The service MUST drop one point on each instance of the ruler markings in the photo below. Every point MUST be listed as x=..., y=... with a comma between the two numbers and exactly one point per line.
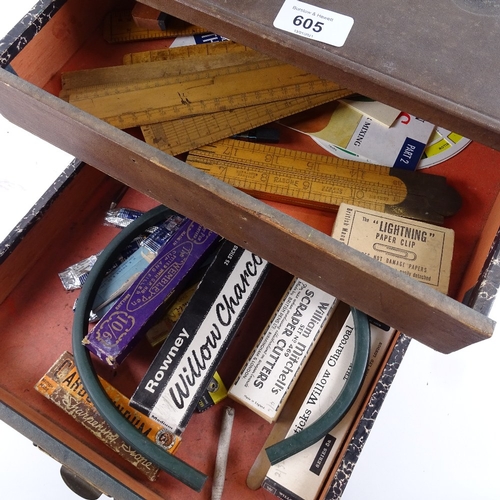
x=194, y=95
x=121, y=27
x=102, y=82
x=171, y=61
x=142, y=108
x=189, y=53
x=178, y=136
x=321, y=181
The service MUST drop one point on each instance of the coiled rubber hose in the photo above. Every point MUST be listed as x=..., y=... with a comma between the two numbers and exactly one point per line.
x=169, y=463
x=320, y=428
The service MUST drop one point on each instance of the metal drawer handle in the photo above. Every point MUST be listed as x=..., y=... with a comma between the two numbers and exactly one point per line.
x=78, y=485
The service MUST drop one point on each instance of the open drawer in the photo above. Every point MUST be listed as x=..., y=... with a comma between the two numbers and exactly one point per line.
x=71, y=40
x=295, y=240
x=70, y=228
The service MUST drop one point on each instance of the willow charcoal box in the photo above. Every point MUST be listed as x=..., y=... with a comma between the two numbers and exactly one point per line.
x=186, y=362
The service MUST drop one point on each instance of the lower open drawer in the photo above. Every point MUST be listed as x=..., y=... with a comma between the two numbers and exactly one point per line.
x=37, y=318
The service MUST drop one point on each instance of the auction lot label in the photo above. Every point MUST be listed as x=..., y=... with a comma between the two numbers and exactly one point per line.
x=313, y=22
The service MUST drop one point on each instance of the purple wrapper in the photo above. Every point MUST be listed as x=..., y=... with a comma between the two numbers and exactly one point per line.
x=127, y=321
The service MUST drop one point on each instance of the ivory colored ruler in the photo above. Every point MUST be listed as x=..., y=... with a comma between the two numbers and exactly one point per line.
x=181, y=135
x=143, y=69
x=190, y=53
x=121, y=27
x=324, y=182
x=178, y=136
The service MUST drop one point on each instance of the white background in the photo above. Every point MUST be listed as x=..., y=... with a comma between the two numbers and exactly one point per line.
x=437, y=436
x=27, y=168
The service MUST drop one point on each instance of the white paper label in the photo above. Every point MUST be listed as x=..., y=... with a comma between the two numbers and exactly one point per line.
x=283, y=349
x=313, y=22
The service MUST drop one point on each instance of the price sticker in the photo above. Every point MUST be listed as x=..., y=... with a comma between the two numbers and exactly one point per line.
x=313, y=22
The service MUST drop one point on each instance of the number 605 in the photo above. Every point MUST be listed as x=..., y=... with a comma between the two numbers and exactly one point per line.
x=308, y=23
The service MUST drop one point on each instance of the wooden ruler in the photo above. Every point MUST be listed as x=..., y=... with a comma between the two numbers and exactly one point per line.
x=149, y=67
x=213, y=90
x=178, y=136
x=140, y=79
x=190, y=53
x=181, y=135
x=324, y=182
x=120, y=27
x=189, y=96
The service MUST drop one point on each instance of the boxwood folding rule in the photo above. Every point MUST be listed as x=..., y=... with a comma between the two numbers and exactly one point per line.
x=322, y=181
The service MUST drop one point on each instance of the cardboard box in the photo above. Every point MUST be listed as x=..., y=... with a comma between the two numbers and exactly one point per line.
x=187, y=360
x=159, y=332
x=60, y=221
x=420, y=250
x=271, y=370
x=122, y=326
x=302, y=476
x=121, y=278
x=61, y=385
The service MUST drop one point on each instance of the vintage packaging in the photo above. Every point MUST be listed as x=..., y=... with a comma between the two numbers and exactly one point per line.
x=420, y=250
x=159, y=332
x=121, y=216
x=122, y=277
x=343, y=128
x=74, y=276
x=132, y=315
x=302, y=476
x=62, y=385
x=283, y=348
x=214, y=393
x=187, y=360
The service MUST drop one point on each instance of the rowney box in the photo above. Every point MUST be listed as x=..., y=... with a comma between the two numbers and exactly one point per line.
x=122, y=326
x=187, y=360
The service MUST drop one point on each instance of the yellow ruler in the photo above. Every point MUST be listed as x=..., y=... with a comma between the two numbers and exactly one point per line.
x=188, y=96
x=178, y=136
x=181, y=135
x=190, y=53
x=209, y=91
x=150, y=67
x=324, y=182
x=121, y=82
x=120, y=27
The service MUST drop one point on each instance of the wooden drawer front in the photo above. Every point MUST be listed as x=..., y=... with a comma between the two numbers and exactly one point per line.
x=296, y=240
